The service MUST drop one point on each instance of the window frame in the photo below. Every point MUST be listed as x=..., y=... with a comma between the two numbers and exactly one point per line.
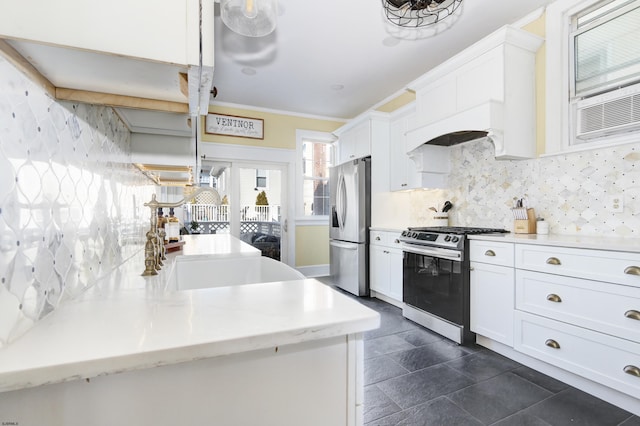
x=264, y=176
x=318, y=137
x=560, y=116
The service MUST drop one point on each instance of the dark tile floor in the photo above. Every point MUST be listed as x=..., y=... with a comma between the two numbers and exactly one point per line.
x=416, y=377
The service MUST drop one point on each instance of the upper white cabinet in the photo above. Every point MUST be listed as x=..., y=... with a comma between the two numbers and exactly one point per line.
x=402, y=170
x=97, y=51
x=489, y=87
x=356, y=138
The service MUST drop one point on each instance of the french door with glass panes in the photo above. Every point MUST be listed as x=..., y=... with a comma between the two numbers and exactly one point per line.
x=254, y=200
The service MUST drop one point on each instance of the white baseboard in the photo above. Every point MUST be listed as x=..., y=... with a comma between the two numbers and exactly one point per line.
x=313, y=271
x=385, y=298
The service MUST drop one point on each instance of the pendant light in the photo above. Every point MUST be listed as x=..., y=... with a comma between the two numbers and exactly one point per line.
x=418, y=13
x=251, y=18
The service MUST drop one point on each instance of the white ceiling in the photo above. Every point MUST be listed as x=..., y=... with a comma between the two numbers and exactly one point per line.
x=318, y=45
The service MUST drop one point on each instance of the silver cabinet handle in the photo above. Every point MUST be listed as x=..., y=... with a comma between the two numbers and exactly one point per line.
x=489, y=253
x=554, y=298
x=632, y=314
x=553, y=261
x=632, y=270
x=552, y=344
x=632, y=370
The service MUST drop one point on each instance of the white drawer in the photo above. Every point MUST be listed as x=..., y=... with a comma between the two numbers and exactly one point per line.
x=385, y=238
x=600, y=265
x=377, y=238
x=596, y=356
x=495, y=253
x=610, y=308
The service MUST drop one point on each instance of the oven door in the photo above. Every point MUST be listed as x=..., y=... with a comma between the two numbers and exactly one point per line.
x=433, y=281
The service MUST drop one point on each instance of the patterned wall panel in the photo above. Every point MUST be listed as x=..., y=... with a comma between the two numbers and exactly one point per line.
x=570, y=191
x=71, y=204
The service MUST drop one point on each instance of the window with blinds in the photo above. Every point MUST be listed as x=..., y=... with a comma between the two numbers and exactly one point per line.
x=606, y=47
x=605, y=74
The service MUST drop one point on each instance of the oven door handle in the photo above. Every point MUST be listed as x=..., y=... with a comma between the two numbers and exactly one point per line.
x=441, y=253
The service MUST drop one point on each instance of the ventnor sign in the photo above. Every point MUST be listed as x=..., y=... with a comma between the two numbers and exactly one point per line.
x=231, y=125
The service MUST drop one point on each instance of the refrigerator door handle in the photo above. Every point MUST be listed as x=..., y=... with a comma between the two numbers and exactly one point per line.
x=341, y=201
x=344, y=245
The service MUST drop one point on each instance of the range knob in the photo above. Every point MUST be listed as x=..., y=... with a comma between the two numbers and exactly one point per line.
x=447, y=238
x=455, y=239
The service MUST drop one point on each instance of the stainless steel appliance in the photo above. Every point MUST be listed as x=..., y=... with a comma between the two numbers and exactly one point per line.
x=435, y=279
x=350, y=200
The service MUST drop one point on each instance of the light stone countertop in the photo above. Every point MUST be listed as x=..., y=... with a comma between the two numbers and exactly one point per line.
x=127, y=322
x=631, y=245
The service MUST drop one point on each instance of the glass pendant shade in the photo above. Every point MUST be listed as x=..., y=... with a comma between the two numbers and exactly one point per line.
x=251, y=18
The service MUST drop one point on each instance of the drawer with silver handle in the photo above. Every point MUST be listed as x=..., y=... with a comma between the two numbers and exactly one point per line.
x=385, y=238
x=495, y=253
x=608, y=308
x=607, y=360
x=600, y=265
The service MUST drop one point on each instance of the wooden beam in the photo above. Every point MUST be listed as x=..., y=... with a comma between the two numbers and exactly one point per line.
x=165, y=168
x=25, y=67
x=109, y=99
x=183, y=78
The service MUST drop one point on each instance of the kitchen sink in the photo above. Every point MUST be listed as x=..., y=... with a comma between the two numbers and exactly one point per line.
x=195, y=272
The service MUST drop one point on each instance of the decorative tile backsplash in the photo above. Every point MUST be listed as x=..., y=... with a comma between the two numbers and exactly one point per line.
x=71, y=203
x=572, y=191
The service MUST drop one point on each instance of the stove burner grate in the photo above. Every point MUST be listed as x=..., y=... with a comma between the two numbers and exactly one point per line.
x=459, y=230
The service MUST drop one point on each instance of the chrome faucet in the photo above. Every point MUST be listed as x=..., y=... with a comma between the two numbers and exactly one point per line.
x=154, y=249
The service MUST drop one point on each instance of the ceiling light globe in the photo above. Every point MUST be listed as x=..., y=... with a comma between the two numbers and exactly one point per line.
x=250, y=18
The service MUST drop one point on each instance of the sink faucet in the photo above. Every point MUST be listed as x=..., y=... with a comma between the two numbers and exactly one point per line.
x=154, y=249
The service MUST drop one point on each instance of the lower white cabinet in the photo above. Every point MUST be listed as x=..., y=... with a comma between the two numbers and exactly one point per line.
x=492, y=290
x=385, y=264
x=492, y=295
x=575, y=309
x=605, y=359
x=579, y=309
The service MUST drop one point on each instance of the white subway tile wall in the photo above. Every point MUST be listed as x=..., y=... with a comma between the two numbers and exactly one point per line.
x=573, y=192
x=71, y=203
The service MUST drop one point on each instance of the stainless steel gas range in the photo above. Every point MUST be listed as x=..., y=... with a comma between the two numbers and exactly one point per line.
x=435, y=279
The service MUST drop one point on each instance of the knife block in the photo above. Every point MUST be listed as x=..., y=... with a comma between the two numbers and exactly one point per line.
x=525, y=226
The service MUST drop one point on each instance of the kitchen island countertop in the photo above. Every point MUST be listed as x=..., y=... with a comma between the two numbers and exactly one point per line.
x=631, y=245
x=128, y=322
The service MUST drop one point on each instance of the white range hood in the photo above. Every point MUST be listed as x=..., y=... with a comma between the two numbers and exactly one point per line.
x=486, y=91
x=485, y=120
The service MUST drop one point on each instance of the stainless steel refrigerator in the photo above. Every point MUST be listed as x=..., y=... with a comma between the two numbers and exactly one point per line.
x=350, y=198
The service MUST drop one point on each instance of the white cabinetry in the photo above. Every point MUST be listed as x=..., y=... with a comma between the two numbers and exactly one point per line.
x=402, y=170
x=385, y=265
x=492, y=290
x=122, y=48
x=579, y=309
x=356, y=138
x=488, y=87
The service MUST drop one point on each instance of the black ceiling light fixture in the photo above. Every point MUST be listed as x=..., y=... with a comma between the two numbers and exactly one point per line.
x=418, y=13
